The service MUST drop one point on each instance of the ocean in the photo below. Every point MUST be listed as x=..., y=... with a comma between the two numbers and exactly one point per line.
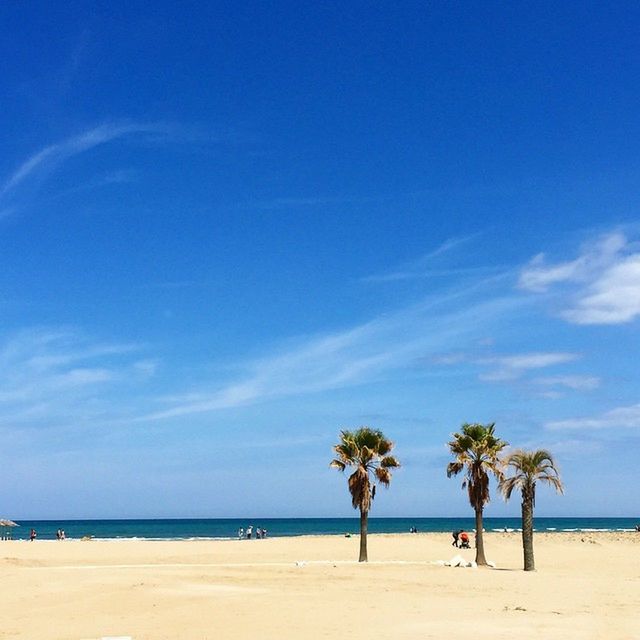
x=227, y=528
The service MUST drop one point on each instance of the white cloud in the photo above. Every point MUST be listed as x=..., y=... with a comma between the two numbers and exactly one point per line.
x=619, y=418
x=607, y=275
x=54, y=376
x=351, y=357
x=577, y=382
x=514, y=366
x=51, y=156
x=613, y=298
x=420, y=268
x=146, y=368
x=567, y=448
x=539, y=276
x=449, y=358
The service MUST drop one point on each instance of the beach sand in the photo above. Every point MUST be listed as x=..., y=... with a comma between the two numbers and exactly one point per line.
x=587, y=586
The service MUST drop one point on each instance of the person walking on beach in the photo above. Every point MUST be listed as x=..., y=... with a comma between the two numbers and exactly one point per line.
x=58, y=535
x=32, y=535
x=456, y=535
x=249, y=531
x=240, y=533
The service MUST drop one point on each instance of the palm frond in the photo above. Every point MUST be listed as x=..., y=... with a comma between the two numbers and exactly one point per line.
x=389, y=462
x=506, y=487
x=454, y=468
x=360, y=489
x=383, y=476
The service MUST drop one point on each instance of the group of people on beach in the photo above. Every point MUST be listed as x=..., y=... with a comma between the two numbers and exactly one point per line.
x=248, y=534
x=60, y=534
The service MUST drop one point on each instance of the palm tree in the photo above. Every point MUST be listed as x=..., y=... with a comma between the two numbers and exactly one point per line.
x=529, y=467
x=476, y=450
x=368, y=450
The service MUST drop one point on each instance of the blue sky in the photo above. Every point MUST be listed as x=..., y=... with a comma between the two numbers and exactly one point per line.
x=231, y=229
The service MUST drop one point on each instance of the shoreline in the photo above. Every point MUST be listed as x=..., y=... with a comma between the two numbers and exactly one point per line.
x=563, y=533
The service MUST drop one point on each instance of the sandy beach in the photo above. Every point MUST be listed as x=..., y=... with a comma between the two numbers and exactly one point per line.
x=587, y=586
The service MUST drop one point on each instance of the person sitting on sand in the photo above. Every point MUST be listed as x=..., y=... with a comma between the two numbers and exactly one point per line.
x=456, y=536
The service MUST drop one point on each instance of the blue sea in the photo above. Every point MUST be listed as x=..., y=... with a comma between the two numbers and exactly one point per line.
x=227, y=529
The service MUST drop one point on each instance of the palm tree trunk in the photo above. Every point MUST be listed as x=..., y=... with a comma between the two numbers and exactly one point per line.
x=364, y=515
x=527, y=534
x=480, y=559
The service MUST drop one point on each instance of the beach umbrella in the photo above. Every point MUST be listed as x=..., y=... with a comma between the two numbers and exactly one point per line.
x=8, y=523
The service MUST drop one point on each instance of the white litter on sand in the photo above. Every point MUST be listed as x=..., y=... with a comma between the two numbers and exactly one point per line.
x=110, y=638
x=457, y=561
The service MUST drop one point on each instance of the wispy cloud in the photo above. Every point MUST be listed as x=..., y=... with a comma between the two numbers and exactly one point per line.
x=505, y=368
x=59, y=376
x=117, y=177
x=308, y=202
x=619, y=418
x=514, y=366
x=566, y=448
x=355, y=356
x=50, y=157
x=454, y=323
x=607, y=276
x=576, y=382
x=595, y=257
x=422, y=268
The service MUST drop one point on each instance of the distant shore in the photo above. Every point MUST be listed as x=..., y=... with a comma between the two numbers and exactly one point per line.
x=226, y=528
